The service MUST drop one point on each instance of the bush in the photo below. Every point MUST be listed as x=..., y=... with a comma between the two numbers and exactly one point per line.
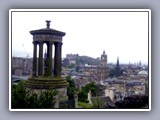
x=23, y=98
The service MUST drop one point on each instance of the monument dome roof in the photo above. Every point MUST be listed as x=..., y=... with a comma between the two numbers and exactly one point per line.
x=47, y=30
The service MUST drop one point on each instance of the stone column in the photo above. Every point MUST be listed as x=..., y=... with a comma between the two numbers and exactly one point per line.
x=57, y=59
x=40, y=62
x=49, y=57
x=34, y=70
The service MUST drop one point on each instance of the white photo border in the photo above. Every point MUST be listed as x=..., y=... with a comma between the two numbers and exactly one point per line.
x=80, y=10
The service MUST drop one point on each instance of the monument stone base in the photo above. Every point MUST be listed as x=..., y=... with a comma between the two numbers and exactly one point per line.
x=40, y=83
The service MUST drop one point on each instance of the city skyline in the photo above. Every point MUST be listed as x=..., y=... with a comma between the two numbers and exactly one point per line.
x=120, y=34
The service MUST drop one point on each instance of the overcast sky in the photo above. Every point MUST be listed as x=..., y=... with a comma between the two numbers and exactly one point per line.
x=120, y=34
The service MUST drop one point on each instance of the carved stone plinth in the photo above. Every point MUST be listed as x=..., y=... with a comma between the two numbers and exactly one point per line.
x=46, y=83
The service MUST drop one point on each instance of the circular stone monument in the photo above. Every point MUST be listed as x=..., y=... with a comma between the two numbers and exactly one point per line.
x=42, y=76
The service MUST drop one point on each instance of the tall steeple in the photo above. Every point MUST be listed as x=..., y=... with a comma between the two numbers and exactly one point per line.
x=117, y=69
x=104, y=52
x=117, y=61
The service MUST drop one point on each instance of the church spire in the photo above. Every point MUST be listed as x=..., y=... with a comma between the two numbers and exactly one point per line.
x=117, y=68
x=117, y=61
x=104, y=52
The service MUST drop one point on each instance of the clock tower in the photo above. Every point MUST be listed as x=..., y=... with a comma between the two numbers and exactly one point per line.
x=104, y=59
x=102, y=71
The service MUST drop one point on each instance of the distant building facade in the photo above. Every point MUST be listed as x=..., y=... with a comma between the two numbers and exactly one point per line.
x=72, y=56
x=102, y=69
x=21, y=66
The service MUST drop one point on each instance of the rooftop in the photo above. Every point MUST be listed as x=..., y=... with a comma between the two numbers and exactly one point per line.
x=48, y=30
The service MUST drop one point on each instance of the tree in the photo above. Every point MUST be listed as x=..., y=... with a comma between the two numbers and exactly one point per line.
x=24, y=98
x=112, y=73
x=83, y=94
x=71, y=89
x=115, y=72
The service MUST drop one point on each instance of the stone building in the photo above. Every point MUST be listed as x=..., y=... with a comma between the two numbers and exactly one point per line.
x=102, y=68
x=21, y=64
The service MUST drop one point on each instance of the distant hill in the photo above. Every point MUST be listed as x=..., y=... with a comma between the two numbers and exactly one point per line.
x=87, y=60
x=83, y=59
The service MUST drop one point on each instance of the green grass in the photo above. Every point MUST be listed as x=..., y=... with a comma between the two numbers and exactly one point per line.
x=84, y=105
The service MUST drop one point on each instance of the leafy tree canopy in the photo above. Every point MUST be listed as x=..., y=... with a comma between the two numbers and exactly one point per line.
x=71, y=89
x=83, y=95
